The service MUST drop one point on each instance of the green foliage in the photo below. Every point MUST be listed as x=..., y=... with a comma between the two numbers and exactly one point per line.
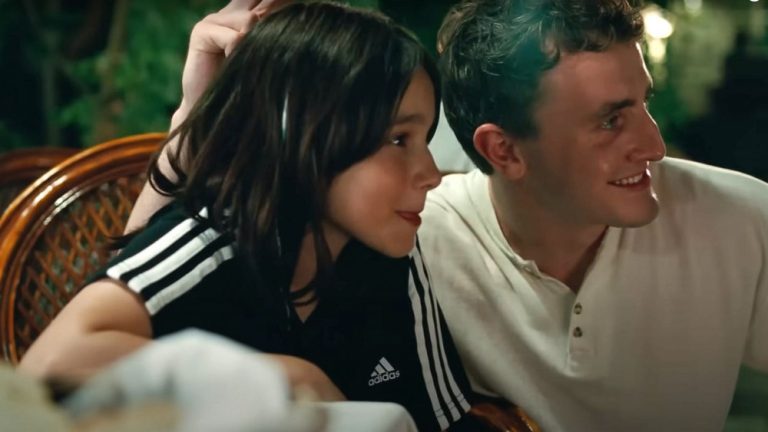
x=124, y=87
x=11, y=31
x=370, y=4
x=146, y=77
x=80, y=112
x=149, y=76
x=10, y=139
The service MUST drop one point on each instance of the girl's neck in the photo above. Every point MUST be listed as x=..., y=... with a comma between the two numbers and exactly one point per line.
x=306, y=264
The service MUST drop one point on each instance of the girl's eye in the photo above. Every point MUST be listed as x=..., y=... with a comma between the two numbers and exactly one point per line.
x=398, y=140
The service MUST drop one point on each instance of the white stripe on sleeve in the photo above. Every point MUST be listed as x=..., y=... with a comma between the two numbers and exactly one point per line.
x=434, y=328
x=426, y=283
x=152, y=250
x=174, y=260
x=426, y=367
x=189, y=280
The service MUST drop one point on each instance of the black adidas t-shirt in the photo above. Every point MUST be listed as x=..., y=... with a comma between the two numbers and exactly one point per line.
x=382, y=339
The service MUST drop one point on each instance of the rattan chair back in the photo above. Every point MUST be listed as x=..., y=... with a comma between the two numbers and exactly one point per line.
x=56, y=233
x=19, y=168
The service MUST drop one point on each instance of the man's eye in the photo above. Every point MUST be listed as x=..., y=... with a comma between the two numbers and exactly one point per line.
x=649, y=97
x=647, y=101
x=610, y=123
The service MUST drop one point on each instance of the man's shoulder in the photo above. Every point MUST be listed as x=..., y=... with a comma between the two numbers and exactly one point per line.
x=454, y=209
x=696, y=185
x=456, y=193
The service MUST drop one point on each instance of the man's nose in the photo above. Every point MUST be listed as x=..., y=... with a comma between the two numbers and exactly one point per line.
x=649, y=144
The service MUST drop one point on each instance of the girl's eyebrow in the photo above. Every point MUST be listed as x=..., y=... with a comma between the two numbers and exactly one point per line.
x=409, y=118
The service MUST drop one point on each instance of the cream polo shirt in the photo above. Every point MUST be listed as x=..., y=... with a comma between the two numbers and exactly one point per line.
x=655, y=337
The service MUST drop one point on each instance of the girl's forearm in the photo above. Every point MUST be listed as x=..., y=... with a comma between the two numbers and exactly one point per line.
x=81, y=356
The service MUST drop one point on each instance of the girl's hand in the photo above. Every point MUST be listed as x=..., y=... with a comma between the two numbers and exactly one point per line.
x=307, y=381
x=214, y=38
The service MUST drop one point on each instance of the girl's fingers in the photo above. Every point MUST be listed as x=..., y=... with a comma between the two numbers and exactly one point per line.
x=266, y=7
x=221, y=31
x=213, y=38
x=241, y=5
x=235, y=20
x=207, y=50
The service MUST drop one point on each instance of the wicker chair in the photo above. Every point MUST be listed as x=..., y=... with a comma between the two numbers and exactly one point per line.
x=497, y=415
x=54, y=233
x=19, y=168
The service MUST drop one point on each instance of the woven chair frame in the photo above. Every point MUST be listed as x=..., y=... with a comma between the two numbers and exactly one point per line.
x=19, y=168
x=56, y=231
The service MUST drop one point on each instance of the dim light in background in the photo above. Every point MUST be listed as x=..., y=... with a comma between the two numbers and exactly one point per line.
x=657, y=24
x=658, y=28
x=693, y=6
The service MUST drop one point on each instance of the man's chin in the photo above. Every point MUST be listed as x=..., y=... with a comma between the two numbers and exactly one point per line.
x=639, y=218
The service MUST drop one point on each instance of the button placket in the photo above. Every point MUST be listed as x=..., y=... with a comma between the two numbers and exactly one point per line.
x=579, y=350
x=577, y=331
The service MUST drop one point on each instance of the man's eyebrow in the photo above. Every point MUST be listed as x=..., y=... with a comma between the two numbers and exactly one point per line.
x=612, y=107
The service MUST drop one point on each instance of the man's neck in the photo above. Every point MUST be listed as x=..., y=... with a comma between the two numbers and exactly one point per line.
x=562, y=250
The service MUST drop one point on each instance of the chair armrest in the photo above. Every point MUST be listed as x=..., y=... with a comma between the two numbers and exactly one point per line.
x=499, y=415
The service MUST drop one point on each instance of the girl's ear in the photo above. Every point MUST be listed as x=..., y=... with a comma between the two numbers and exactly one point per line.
x=501, y=150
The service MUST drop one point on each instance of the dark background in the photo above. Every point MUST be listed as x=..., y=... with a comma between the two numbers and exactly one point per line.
x=78, y=72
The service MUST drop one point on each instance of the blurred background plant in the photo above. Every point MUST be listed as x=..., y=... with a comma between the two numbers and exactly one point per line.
x=78, y=72
x=83, y=71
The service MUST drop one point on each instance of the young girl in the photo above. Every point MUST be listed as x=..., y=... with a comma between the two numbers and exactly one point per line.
x=299, y=178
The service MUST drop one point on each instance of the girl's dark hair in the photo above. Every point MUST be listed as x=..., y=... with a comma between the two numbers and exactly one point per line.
x=311, y=90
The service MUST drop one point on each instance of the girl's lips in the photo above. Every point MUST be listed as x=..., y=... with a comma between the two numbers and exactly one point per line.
x=410, y=217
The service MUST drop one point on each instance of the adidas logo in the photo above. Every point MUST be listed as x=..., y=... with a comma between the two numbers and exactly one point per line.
x=383, y=372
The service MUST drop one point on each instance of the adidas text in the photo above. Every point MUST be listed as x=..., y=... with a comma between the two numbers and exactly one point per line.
x=383, y=378
x=383, y=372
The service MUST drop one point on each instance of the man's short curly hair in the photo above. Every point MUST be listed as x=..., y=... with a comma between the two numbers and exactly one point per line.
x=494, y=53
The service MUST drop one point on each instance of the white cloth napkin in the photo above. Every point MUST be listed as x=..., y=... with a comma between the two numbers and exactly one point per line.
x=215, y=384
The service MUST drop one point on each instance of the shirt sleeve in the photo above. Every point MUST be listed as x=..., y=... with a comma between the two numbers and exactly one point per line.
x=170, y=265
x=756, y=353
x=445, y=382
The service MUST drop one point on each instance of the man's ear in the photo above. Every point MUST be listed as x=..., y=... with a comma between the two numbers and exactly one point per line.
x=501, y=150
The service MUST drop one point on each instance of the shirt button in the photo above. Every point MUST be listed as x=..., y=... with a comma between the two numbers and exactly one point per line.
x=577, y=332
x=577, y=309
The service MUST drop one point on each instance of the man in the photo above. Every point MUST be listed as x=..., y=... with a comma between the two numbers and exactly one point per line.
x=583, y=277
